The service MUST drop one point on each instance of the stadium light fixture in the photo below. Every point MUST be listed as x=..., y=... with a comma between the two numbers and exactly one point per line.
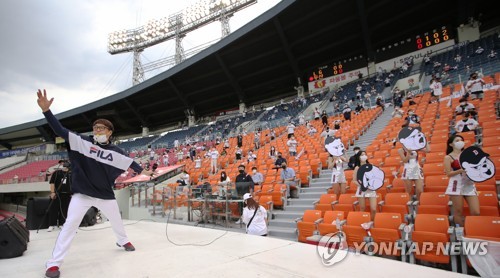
x=157, y=31
x=174, y=26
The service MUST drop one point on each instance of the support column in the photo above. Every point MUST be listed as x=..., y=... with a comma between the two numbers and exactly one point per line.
x=137, y=72
x=191, y=121
x=175, y=23
x=224, y=23
x=50, y=148
x=468, y=32
x=300, y=91
x=145, y=131
x=242, y=107
x=190, y=115
x=179, y=49
x=372, y=69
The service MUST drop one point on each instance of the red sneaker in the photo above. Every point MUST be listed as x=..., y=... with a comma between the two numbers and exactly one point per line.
x=127, y=246
x=53, y=272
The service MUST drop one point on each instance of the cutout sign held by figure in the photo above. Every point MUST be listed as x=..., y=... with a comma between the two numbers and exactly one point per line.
x=412, y=138
x=334, y=146
x=477, y=164
x=370, y=177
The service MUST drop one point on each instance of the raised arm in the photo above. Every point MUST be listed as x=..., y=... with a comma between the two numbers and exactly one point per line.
x=45, y=104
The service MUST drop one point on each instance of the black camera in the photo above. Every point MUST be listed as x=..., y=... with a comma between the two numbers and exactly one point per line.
x=66, y=164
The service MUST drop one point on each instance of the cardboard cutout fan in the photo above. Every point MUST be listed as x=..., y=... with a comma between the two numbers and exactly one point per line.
x=334, y=146
x=370, y=177
x=477, y=164
x=412, y=138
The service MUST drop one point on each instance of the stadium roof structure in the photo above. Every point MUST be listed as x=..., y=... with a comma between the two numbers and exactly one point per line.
x=262, y=61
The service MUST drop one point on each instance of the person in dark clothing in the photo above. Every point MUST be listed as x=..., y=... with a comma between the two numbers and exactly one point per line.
x=412, y=119
x=95, y=165
x=244, y=182
x=324, y=118
x=347, y=112
x=192, y=153
x=240, y=140
x=60, y=193
x=359, y=108
x=242, y=176
x=279, y=161
x=380, y=103
x=352, y=160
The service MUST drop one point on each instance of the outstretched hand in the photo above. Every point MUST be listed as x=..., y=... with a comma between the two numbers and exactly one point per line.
x=43, y=101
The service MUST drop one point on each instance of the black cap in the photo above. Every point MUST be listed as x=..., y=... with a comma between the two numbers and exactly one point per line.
x=472, y=155
x=104, y=122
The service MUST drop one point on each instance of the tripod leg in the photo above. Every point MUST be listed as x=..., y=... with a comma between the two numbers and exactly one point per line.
x=45, y=215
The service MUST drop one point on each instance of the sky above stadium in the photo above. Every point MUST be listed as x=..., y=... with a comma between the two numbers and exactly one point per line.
x=62, y=46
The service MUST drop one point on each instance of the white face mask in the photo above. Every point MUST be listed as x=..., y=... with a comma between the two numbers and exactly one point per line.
x=254, y=171
x=356, y=152
x=101, y=138
x=459, y=145
x=363, y=158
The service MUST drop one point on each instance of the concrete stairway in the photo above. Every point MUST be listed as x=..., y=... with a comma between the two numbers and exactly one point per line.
x=378, y=125
x=283, y=225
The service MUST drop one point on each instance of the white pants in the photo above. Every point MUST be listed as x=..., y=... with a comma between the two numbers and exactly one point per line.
x=78, y=206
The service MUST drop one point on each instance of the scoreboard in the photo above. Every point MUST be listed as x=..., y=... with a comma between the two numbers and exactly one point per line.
x=336, y=68
x=409, y=45
x=432, y=38
x=412, y=44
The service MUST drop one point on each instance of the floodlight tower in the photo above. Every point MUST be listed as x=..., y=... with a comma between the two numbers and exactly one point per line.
x=175, y=23
x=219, y=7
x=174, y=26
x=137, y=70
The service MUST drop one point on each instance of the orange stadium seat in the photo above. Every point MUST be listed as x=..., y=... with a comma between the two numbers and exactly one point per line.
x=431, y=228
x=392, y=161
x=387, y=228
x=353, y=230
x=491, y=132
x=267, y=202
x=306, y=225
x=278, y=195
x=437, y=183
x=329, y=224
x=397, y=203
x=325, y=203
x=433, y=169
x=483, y=227
x=491, y=141
x=397, y=186
x=433, y=203
x=488, y=204
x=489, y=185
x=434, y=157
x=346, y=203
